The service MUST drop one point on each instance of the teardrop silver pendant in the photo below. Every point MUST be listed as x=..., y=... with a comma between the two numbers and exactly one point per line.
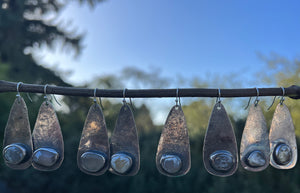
x=93, y=151
x=173, y=152
x=282, y=137
x=220, y=149
x=47, y=140
x=255, y=148
x=17, y=140
x=124, y=144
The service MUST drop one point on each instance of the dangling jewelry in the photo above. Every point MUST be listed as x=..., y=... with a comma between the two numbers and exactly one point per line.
x=283, y=144
x=124, y=144
x=173, y=152
x=93, y=151
x=17, y=140
x=220, y=149
x=47, y=138
x=255, y=148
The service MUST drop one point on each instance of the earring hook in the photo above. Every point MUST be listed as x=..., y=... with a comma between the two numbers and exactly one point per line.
x=257, y=95
x=28, y=96
x=18, y=92
x=219, y=96
x=124, y=93
x=131, y=104
x=95, y=99
x=177, y=98
x=248, y=103
x=218, y=101
x=100, y=100
x=281, y=100
x=283, y=94
x=45, y=93
x=272, y=103
x=51, y=96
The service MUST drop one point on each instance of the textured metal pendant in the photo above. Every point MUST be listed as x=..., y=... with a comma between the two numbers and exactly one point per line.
x=282, y=137
x=255, y=147
x=220, y=149
x=47, y=140
x=17, y=140
x=124, y=144
x=94, y=152
x=173, y=153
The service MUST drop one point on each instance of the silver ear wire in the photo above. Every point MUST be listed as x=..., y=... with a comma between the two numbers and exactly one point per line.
x=281, y=100
x=219, y=96
x=18, y=92
x=248, y=103
x=283, y=94
x=28, y=96
x=45, y=93
x=51, y=96
x=272, y=102
x=256, y=99
x=218, y=100
x=95, y=99
x=257, y=95
x=56, y=100
x=176, y=99
x=100, y=100
x=124, y=93
x=131, y=104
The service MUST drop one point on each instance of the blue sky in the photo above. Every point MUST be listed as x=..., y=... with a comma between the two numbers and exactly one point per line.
x=189, y=38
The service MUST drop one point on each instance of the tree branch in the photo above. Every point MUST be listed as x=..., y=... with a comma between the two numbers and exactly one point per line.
x=292, y=91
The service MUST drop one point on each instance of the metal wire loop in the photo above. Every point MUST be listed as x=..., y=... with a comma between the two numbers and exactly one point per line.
x=100, y=100
x=124, y=94
x=28, y=96
x=272, y=102
x=248, y=103
x=177, y=100
x=56, y=100
x=281, y=100
x=45, y=89
x=18, y=87
x=256, y=99
x=131, y=104
x=283, y=94
x=218, y=101
x=219, y=96
x=45, y=93
x=257, y=95
x=51, y=96
x=18, y=92
x=95, y=99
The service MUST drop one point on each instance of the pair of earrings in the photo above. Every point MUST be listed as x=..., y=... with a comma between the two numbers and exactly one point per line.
x=96, y=155
x=259, y=148
x=44, y=149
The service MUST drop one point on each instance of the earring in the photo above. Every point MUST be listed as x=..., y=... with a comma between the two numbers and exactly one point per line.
x=173, y=152
x=220, y=149
x=47, y=138
x=93, y=151
x=17, y=140
x=124, y=144
x=283, y=143
x=255, y=149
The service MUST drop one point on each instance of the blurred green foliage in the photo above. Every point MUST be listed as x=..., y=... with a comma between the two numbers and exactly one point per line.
x=20, y=31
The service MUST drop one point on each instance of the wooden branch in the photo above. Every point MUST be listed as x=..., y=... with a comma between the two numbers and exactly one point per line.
x=292, y=91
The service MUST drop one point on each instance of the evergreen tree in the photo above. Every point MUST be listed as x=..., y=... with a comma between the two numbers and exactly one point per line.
x=25, y=24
